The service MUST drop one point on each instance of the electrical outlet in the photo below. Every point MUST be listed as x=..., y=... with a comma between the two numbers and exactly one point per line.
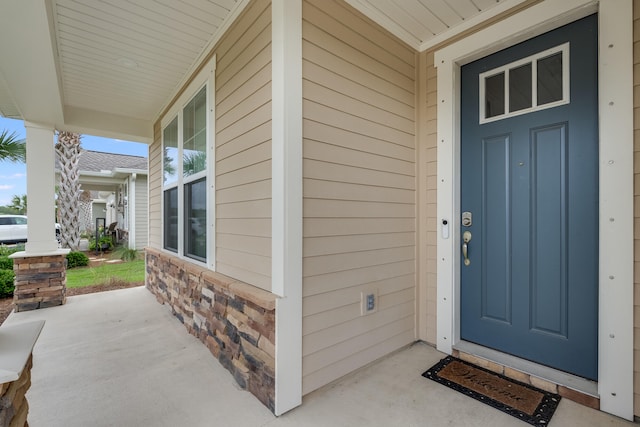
x=371, y=302
x=368, y=302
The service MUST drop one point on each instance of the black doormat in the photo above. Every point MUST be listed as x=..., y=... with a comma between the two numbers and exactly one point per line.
x=523, y=401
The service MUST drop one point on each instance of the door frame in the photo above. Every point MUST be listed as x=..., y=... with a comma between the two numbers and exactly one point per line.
x=616, y=217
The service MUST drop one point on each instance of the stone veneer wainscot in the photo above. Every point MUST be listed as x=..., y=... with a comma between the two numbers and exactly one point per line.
x=236, y=321
x=41, y=281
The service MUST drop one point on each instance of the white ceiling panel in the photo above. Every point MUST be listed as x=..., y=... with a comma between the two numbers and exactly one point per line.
x=131, y=53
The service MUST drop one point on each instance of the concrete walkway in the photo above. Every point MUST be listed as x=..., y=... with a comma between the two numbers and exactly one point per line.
x=120, y=359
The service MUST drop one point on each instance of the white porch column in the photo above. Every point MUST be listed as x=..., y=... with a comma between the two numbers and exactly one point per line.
x=286, y=202
x=41, y=239
x=131, y=211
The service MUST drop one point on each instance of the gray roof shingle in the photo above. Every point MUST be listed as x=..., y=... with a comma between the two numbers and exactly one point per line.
x=96, y=161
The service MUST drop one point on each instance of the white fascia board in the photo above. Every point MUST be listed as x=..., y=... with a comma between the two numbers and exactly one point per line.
x=107, y=125
x=130, y=171
x=95, y=174
x=99, y=178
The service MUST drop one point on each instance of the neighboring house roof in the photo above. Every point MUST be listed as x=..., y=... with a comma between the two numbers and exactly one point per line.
x=96, y=161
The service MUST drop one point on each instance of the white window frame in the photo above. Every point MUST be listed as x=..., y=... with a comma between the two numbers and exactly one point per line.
x=533, y=60
x=205, y=78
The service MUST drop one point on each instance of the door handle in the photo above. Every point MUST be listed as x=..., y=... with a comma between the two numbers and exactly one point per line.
x=466, y=238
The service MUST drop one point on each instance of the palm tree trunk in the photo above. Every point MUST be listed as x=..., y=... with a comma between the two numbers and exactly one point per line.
x=68, y=151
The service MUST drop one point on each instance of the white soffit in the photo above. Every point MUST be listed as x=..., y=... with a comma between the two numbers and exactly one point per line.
x=423, y=24
x=128, y=57
x=8, y=108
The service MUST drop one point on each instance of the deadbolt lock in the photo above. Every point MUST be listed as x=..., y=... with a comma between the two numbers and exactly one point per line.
x=467, y=219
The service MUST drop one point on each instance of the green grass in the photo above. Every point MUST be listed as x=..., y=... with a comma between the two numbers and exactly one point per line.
x=132, y=271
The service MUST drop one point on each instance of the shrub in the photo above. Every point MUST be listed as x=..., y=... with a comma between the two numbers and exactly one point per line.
x=77, y=259
x=8, y=250
x=6, y=283
x=103, y=241
x=126, y=254
x=6, y=263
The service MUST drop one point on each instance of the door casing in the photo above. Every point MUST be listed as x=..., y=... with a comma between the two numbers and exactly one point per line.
x=615, y=86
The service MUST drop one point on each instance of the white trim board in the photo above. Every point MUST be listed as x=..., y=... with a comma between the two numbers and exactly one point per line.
x=286, y=199
x=615, y=330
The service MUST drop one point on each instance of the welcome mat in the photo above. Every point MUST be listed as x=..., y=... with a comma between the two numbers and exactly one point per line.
x=525, y=402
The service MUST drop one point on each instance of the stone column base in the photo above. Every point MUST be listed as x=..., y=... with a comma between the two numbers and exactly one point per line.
x=41, y=281
x=13, y=402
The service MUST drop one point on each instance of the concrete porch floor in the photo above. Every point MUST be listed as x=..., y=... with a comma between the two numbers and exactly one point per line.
x=120, y=359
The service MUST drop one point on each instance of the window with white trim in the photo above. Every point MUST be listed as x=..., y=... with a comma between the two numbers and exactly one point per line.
x=187, y=141
x=530, y=84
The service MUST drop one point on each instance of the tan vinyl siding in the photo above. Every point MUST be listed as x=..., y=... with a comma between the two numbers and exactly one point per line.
x=359, y=191
x=141, y=218
x=155, y=190
x=243, y=148
x=636, y=192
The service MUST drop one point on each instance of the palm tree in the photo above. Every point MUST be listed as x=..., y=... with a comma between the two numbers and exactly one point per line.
x=168, y=168
x=12, y=148
x=194, y=162
x=19, y=204
x=68, y=153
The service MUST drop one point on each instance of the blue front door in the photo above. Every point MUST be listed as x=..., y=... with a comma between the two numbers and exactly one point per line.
x=529, y=200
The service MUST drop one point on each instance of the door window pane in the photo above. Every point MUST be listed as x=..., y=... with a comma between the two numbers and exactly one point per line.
x=170, y=153
x=530, y=84
x=195, y=232
x=550, y=79
x=494, y=95
x=171, y=219
x=520, y=88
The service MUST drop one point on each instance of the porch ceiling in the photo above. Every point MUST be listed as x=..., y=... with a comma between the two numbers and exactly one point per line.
x=109, y=67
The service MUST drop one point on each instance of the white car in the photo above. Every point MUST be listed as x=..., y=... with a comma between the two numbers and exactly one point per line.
x=13, y=229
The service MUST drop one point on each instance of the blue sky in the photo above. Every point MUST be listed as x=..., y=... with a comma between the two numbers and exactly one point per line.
x=13, y=176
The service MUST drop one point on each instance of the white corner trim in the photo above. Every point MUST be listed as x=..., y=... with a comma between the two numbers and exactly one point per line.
x=616, y=179
x=286, y=199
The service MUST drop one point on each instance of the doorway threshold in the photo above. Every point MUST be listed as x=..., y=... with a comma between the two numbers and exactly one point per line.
x=560, y=378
